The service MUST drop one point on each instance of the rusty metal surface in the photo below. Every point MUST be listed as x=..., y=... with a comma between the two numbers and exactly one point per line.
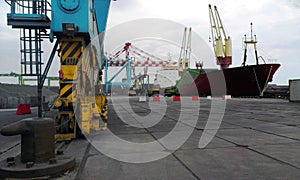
x=19, y=170
x=37, y=150
x=37, y=138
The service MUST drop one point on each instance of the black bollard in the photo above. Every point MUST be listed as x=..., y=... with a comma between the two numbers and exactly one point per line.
x=37, y=138
x=37, y=151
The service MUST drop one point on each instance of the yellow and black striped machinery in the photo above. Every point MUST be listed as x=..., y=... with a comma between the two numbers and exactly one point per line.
x=81, y=101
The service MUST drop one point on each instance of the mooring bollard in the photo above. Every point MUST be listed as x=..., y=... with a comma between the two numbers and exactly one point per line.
x=37, y=138
x=37, y=151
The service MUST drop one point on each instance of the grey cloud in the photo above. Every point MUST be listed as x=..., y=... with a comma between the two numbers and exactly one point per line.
x=295, y=3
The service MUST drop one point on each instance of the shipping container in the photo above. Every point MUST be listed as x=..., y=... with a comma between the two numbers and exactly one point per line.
x=294, y=90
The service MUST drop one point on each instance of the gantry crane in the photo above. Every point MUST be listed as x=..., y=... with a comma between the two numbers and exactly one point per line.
x=140, y=58
x=221, y=42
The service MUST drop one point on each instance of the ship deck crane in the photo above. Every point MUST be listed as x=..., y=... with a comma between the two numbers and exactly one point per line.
x=221, y=42
x=185, y=51
x=183, y=61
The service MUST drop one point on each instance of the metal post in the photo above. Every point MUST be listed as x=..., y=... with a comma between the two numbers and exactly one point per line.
x=40, y=100
x=147, y=83
x=50, y=60
x=106, y=75
x=128, y=73
x=20, y=79
x=24, y=71
x=30, y=49
x=34, y=10
x=13, y=7
x=38, y=74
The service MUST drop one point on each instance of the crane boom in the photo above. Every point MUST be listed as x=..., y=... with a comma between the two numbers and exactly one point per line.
x=185, y=51
x=221, y=42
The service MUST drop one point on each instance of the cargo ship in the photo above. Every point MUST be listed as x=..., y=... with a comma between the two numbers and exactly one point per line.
x=246, y=80
x=239, y=81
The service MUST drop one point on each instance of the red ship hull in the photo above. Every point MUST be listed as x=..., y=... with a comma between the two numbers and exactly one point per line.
x=239, y=81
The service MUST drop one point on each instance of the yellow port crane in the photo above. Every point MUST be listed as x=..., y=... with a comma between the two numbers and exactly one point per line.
x=185, y=51
x=221, y=42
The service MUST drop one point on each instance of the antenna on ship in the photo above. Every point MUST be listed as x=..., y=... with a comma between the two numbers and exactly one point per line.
x=250, y=41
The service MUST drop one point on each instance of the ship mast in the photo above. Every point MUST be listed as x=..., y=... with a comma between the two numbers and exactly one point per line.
x=221, y=42
x=247, y=41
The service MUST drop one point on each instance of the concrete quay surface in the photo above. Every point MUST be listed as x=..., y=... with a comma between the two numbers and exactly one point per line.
x=252, y=139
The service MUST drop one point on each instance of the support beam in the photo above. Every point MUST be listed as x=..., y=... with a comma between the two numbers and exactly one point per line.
x=128, y=74
x=41, y=79
x=50, y=60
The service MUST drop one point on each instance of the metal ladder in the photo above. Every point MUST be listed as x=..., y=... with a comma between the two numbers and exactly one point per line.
x=31, y=52
x=30, y=16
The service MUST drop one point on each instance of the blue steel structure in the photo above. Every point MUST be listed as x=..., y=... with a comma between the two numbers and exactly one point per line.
x=127, y=66
x=31, y=17
x=75, y=24
x=110, y=83
x=29, y=14
x=89, y=17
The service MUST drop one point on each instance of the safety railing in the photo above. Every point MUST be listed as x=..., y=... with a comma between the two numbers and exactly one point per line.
x=41, y=7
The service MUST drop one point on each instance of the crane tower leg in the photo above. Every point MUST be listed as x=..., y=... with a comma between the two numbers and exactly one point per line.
x=81, y=102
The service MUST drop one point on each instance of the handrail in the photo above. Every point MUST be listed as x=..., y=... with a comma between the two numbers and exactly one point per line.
x=29, y=6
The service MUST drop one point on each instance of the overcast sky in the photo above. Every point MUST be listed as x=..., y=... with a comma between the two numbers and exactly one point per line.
x=276, y=24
